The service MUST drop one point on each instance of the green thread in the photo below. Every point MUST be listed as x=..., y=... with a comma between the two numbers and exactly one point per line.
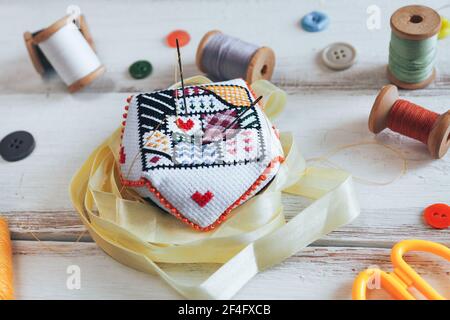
x=412, y=61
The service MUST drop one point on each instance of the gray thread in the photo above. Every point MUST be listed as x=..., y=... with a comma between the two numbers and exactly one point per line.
x=226, y=57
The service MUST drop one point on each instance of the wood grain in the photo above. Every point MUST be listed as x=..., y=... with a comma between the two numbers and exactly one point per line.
x=314, y=273
x=67, y=128
x=122, y=40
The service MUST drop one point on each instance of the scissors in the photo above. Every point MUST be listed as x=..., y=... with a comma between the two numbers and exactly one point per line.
x=403, y=279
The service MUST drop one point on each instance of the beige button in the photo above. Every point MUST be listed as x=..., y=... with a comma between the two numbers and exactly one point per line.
x=339, y=56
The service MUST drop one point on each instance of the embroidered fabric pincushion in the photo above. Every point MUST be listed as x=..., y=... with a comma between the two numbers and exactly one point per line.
x=201, y=159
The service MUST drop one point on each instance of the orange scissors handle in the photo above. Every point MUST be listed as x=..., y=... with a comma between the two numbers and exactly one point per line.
x=407, y=274
x=403, y=277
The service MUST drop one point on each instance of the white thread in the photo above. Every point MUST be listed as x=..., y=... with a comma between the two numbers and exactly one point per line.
x=70, y=54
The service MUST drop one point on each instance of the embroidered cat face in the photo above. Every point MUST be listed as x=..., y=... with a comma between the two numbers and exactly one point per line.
x=199, y=153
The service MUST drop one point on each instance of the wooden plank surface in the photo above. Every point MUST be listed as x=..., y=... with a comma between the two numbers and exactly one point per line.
x=326, y=110
x=37, y=198
x=314, y=273
x=124, y=34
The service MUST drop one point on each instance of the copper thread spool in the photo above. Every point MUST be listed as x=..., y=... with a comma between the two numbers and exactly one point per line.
x=437, y=134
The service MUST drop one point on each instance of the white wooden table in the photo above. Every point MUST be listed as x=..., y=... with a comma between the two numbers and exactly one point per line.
x=325, y=110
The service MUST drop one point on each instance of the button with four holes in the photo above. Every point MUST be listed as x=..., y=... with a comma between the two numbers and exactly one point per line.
x=339, y=56
x=17, y=146
x=315, y=21
x=437, y=215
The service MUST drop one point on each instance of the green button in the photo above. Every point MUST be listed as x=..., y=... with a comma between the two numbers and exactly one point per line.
x=140, y=69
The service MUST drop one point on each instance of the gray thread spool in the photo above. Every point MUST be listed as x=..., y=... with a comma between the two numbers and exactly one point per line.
x=224, y=58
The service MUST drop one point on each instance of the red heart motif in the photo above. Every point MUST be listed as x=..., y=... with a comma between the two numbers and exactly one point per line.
x=202, y=199
x=186, y=126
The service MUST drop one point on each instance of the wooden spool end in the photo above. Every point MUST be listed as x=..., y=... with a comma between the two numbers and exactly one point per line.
x=31, y=41
x=414, y=23
x=439, y=138
x=408, y=85
x=33, y=53
x=261, y=65
x=384, y=101
x=84, y=29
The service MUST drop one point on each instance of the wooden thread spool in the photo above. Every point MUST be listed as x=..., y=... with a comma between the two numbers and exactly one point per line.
x=261, y=63
x=438, y=138
x=415, y=23
x=85, y=67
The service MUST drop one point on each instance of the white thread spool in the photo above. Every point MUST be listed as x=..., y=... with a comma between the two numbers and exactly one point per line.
x=66, y=49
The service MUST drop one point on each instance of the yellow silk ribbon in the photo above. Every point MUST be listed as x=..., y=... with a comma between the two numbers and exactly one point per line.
x=255, y=237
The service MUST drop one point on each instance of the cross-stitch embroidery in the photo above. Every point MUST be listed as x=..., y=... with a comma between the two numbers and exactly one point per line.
x=199, y=160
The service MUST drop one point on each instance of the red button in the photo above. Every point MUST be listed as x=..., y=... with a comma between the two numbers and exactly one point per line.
x=182, y=36
x=437, y=215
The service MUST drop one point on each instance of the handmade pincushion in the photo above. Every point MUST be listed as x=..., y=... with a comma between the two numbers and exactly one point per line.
x=200, y=160
x=200, y=187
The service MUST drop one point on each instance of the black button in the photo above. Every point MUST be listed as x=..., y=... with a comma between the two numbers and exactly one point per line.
x=17, y=146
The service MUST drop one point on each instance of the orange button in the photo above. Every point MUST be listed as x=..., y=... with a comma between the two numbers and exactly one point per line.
x=182, y=36
x=437, y=215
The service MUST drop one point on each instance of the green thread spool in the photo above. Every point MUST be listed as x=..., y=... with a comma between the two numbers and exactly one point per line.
x=412, y=50
x=412, y=61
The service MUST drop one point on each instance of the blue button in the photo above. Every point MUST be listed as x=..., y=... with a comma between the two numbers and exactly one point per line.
x=315, y=21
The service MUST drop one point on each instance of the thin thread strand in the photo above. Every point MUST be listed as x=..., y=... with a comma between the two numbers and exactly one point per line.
x=325, y=159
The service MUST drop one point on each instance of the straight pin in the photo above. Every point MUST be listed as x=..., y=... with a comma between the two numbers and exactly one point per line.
x=181, y=73
x=242, y=113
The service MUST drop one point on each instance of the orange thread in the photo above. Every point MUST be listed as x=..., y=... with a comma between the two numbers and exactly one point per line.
x=411, y=120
